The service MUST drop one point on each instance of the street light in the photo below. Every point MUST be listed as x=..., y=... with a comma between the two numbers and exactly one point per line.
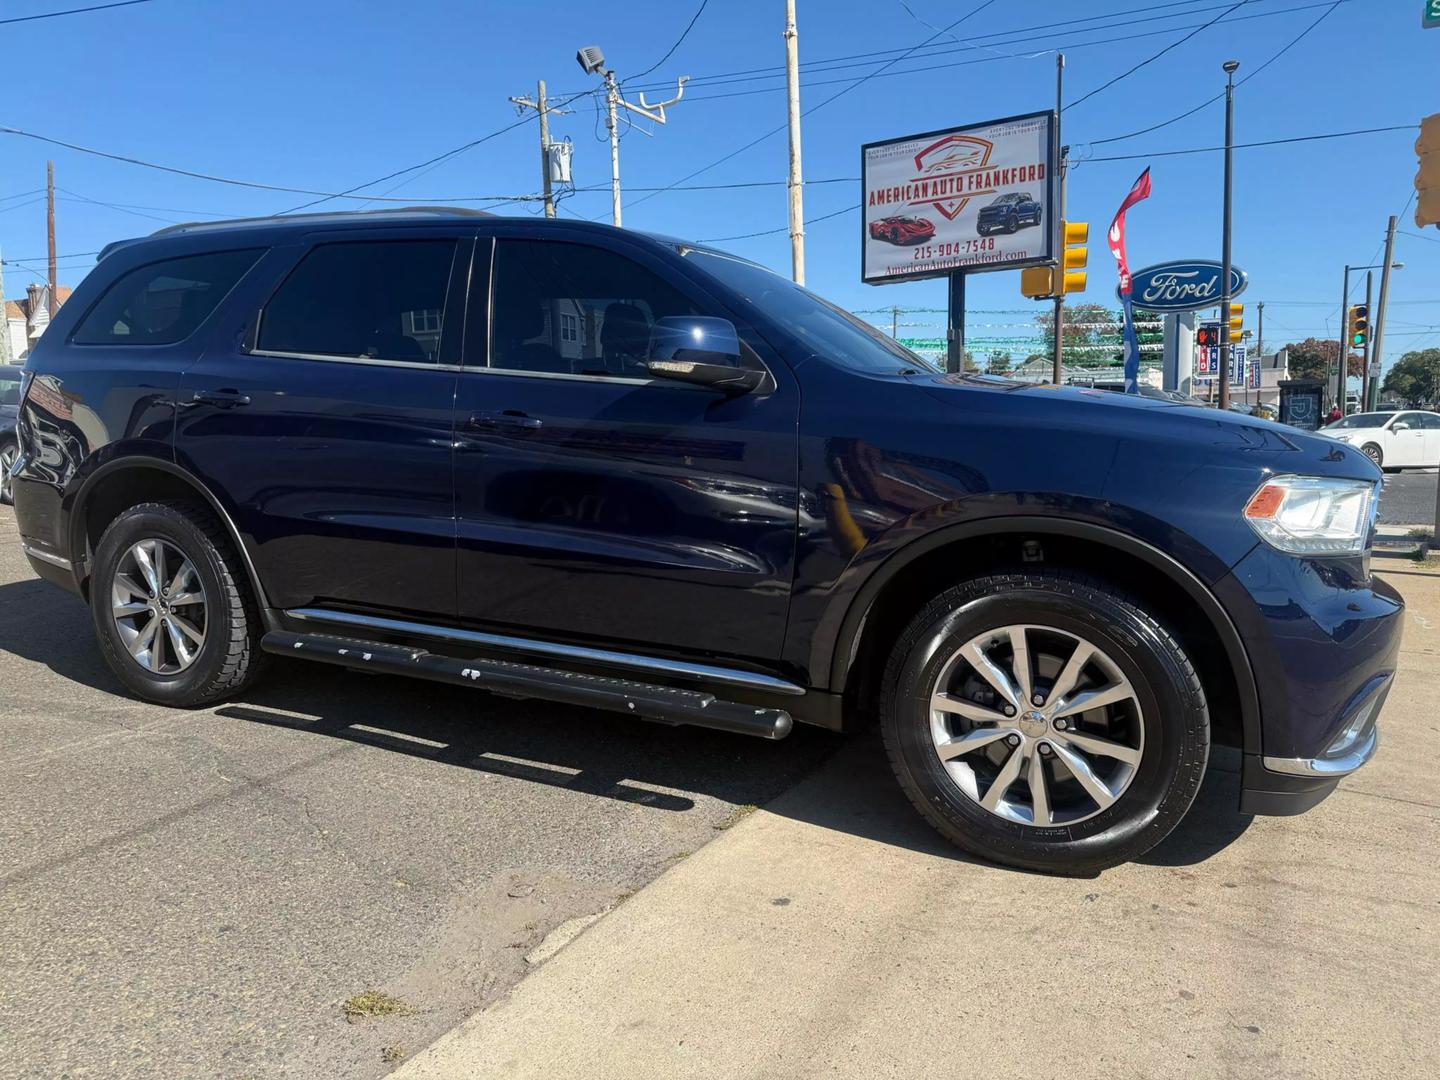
x=1229, y=67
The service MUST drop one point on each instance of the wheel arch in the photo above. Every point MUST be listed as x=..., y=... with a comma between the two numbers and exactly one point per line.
x=128, y=481
x=901, y=584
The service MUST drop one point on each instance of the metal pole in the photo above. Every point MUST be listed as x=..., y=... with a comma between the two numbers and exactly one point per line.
x=1364, y=404
x=50, y=304
x=1223, y=375
x=792, y=84
x=544, y=147
x=1340, y=336
x=611, y=93
x=955, y=325
x=1379, y=335
x=1260, y=350
x=1057, y=372
x=894, y=322
x=5, y=356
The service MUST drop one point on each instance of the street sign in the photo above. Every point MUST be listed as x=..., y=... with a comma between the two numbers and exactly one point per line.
x=1430, y=17
x=1183, y=285
x=964, y=199
x=1207, y=365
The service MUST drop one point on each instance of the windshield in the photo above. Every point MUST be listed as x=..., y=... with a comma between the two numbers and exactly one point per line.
x=1364, y=419
x=9, y=388
x=827, y=329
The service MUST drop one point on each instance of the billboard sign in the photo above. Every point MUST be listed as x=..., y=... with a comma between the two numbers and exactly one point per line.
x=1183, y=285
x=963, y=199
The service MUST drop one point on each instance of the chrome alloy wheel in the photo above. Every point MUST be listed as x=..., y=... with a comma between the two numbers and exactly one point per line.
x=1037, y=725
x=159, y=606
x=8, y=455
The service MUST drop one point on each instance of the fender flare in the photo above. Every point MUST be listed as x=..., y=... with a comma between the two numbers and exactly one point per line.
x=851, y=627
x=77, y=531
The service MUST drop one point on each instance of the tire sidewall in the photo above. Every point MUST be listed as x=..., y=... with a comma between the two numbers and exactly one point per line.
x=1176, y=740
x=164, y=523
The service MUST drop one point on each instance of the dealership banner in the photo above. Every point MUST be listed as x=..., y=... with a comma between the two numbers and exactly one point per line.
x=972, y=198
x=1116, y=239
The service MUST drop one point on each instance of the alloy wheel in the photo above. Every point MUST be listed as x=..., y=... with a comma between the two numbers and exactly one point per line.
x=8, y=455
x=1037, y=725
x=159, y=606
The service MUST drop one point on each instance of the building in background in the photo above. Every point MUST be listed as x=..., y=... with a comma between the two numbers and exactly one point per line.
x=26, y=320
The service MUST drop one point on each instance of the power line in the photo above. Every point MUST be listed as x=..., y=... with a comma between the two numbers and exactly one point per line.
x=1264, y=142
x=1417, y=236
x=783, y=228
x=1151, y=59
x=1210, y=101
x=678, y=41
x=72, y=11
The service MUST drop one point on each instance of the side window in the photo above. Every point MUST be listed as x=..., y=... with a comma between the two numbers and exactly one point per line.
x=374, y=300
x=575, y=310
x=1430, y=421
x=164, y=302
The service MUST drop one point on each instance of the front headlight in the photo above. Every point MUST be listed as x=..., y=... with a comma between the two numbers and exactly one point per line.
x=1312, y=515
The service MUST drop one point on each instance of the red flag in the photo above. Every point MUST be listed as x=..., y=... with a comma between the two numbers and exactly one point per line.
x=1116, y=236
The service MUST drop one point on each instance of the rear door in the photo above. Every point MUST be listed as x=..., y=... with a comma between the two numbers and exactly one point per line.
x=1406, y=446
x=322, y=412
x=1430, y=425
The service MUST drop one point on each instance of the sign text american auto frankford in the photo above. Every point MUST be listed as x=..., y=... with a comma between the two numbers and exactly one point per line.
x=1184, y=285
x=964, y=199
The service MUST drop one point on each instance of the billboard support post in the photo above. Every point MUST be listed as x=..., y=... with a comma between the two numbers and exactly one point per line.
x=955, y=324
x=1059, y=222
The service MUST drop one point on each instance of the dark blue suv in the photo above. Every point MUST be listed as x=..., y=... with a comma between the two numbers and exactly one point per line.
x=563, y=461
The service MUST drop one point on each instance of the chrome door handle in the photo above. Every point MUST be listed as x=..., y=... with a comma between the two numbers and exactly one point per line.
x=224, y=399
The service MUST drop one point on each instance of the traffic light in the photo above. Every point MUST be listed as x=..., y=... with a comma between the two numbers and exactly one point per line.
x=1359, y=325
x=1237, y=321
x=1073, y=256
x=1037, y=282
x=1207, y=334
x=1427, y=180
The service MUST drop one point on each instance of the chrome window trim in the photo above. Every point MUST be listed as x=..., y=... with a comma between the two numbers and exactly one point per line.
x=1328, y=767
x=45, y=556
x=676, y=668
x=373, y=361
x=574, y=377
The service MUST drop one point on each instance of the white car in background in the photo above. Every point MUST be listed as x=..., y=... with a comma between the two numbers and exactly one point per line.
x=1393, y=440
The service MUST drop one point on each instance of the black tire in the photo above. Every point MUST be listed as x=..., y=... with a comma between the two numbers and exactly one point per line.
x=1174, y=716
x=1038, y=215
x=1012, y=223
x=1374, y=453
x=230, y=657
x=7, y=455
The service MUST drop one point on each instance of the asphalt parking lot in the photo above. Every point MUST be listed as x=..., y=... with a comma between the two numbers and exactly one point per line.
x=1408, y=497
x=198, y=893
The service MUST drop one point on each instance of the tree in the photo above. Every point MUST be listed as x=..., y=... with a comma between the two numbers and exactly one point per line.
x=998, y=363
x=1415, y=376
x=970, y=367
x=1085, y=324
x=1314, y=358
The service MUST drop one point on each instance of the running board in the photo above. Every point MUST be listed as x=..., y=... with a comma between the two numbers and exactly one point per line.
x=647, y=701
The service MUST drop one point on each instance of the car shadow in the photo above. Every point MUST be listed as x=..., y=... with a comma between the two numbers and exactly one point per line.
x=607, y=755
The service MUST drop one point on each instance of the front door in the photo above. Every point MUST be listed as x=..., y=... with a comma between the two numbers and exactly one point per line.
x=327, y=423
x=597, y=504
x=1407, y=445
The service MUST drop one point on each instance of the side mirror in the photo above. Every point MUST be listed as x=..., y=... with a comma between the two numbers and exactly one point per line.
x=701, y=350
x=1400, y=425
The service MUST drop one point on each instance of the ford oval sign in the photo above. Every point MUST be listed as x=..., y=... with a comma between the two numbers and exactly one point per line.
x=1185, y=285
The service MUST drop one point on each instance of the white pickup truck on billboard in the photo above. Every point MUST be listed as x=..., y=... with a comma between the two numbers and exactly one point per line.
x=969, y=199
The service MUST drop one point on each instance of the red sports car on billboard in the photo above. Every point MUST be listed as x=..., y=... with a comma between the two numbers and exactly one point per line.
x=902, y=230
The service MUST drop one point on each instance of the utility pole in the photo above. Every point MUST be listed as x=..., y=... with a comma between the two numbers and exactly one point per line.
x=1058, y=225
x=5, y=356
x=592, y=60
x=1336, y=392
x=792, y=85
x=1364, y=403
x=1386, y=267
x=543, y=111
x=50, y=232
x=1223, y=375
x=895, y=323
x=1260, y=329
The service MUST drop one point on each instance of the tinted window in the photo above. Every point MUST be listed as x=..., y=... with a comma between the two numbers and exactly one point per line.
x=10, y=388
x=377, y=301
x=164, y=302
x=575, y=310
x=1428, y=421
x=1363, y=420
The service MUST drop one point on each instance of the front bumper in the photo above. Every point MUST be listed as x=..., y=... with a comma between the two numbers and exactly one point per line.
x=1323, y=639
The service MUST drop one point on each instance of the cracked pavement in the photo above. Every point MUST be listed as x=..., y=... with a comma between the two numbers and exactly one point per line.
x=196, y=893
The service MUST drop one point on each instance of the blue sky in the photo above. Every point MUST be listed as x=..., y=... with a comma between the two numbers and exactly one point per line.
x=327, y=94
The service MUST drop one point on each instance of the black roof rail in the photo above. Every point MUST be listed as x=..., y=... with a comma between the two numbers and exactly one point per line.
x=324, y=215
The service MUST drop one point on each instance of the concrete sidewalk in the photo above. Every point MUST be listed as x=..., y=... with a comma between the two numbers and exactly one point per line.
x=833, y=934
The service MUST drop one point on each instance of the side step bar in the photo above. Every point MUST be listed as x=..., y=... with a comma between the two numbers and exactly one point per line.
x=662, y=703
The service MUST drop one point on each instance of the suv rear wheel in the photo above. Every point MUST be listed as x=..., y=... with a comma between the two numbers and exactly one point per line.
x=1045, y=720
x=172, y=606
x=8, y=453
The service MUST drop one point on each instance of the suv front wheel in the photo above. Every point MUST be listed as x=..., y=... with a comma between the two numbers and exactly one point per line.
x=1044, y=720
x=172, y=606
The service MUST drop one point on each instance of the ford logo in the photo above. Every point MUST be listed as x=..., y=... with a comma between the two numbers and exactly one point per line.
x=1184, y=285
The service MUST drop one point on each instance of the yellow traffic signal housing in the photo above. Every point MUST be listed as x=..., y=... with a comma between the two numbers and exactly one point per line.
x=1037, y=282
x=1073, y=234
x=1359, y=323
x=1237, y=321
x=1427, y=180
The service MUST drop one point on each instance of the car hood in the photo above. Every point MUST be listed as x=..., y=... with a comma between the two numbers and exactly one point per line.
x=1276, y=448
